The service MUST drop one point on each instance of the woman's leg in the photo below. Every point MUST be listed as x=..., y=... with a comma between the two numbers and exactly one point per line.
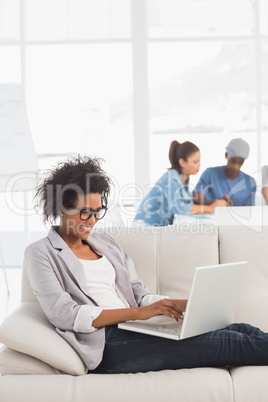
x=245, y=329
x=131, y=352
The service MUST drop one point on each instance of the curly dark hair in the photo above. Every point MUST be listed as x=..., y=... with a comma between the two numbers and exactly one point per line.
x=62, y=184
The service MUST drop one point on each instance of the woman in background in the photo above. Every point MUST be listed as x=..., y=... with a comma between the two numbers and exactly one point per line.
x=171, y=194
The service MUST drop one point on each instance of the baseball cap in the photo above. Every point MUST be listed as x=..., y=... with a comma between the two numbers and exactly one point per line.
x=237, y=148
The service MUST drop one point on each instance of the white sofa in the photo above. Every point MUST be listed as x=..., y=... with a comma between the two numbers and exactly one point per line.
x=38, y=365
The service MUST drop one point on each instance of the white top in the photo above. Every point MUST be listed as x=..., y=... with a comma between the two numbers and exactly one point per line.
x=100, y=279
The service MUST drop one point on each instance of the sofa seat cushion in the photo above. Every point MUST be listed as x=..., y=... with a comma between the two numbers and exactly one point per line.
x=40, y=388
x=186, y=385
x=250, y=383
x=14, y=363
x=28, y=331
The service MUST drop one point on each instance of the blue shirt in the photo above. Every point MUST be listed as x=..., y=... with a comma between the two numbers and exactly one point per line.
x=214, y=182
x=168, y=197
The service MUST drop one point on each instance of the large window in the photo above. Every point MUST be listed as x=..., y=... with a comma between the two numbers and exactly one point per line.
x=121, y=79
x=204, y=92
x=264, y=110
x=74, y=62
x=196, y=18
x=77, y=20
x=78, y=79
x=205, y=60
x=85, y=102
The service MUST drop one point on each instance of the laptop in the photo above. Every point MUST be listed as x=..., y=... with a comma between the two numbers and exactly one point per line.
x=212, y=304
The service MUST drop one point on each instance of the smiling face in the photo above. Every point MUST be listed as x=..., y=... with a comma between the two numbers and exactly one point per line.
x=192, y=165
x=72, y=228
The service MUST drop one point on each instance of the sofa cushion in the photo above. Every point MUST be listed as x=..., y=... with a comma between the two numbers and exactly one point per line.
x=250, y=383
x=28, y=331
x=203, y=384
x=12, y=362
x=40, y=388
x=249, y=243
x=181, y=249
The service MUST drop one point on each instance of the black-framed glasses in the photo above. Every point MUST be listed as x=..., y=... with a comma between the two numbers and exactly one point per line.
x=87, y=213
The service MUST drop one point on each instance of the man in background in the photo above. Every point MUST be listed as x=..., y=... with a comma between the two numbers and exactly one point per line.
x=228, y=181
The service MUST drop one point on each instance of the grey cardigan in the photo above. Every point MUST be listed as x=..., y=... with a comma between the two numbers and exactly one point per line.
x=58, y=280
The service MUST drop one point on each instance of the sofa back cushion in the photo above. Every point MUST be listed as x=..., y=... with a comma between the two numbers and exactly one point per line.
x=165, y=257
x=249, y=243
x=182, y=249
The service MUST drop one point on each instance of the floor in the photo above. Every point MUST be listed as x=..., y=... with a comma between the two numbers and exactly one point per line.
x=9, y=301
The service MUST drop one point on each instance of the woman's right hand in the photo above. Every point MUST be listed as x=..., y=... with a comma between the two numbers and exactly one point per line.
x=170, y=307
x=166, y=307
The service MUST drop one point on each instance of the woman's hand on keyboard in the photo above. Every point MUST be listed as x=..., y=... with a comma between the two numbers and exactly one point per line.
x=166, y=307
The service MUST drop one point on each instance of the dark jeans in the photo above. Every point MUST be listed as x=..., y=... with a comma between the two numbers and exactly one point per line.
x=131, y=352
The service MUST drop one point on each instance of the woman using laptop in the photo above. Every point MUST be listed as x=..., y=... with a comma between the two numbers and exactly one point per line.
x=171, y=193
x=86, y=285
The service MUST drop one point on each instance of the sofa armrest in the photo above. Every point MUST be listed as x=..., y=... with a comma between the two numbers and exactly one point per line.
x=27, y=330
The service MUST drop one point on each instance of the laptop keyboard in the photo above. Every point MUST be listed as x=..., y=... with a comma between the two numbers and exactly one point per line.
x=172, y=328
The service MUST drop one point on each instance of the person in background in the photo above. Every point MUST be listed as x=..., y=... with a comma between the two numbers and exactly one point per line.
x=265, y=183
x=171, y=194
x=227, y=182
